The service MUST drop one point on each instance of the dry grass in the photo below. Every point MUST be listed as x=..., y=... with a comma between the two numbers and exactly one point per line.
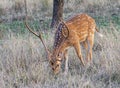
x=21, y=66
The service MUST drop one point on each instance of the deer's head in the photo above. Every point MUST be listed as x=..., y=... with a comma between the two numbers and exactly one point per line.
x=55, y=63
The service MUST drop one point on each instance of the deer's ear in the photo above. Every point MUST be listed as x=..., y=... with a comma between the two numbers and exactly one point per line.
x=65, y=31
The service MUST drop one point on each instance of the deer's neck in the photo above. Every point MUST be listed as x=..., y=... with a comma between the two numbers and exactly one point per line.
x=60, y=41
x=59, y=38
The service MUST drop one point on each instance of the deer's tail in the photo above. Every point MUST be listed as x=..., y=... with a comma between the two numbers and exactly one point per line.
x=101, y=35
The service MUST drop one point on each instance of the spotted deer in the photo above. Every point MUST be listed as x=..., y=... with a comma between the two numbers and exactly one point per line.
x=76, y=30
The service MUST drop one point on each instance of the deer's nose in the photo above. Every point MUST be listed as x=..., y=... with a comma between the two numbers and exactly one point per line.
x=53, y=69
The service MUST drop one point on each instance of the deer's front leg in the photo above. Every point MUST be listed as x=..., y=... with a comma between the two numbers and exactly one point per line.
x=66, y=61
x=78, y=51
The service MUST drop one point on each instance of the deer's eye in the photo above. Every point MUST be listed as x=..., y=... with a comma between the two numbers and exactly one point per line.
x=57, y=65
x=58, y=55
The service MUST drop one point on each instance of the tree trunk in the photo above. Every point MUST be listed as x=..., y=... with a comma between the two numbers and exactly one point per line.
x=57, y=12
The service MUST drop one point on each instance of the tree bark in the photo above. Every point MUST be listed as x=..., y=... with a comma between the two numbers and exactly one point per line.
x=57, y=12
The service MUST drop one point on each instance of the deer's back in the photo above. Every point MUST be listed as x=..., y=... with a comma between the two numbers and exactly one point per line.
x=80, y=26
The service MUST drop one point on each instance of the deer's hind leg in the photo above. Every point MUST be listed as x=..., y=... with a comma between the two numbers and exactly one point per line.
x=90, y=42
x=85, y=45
